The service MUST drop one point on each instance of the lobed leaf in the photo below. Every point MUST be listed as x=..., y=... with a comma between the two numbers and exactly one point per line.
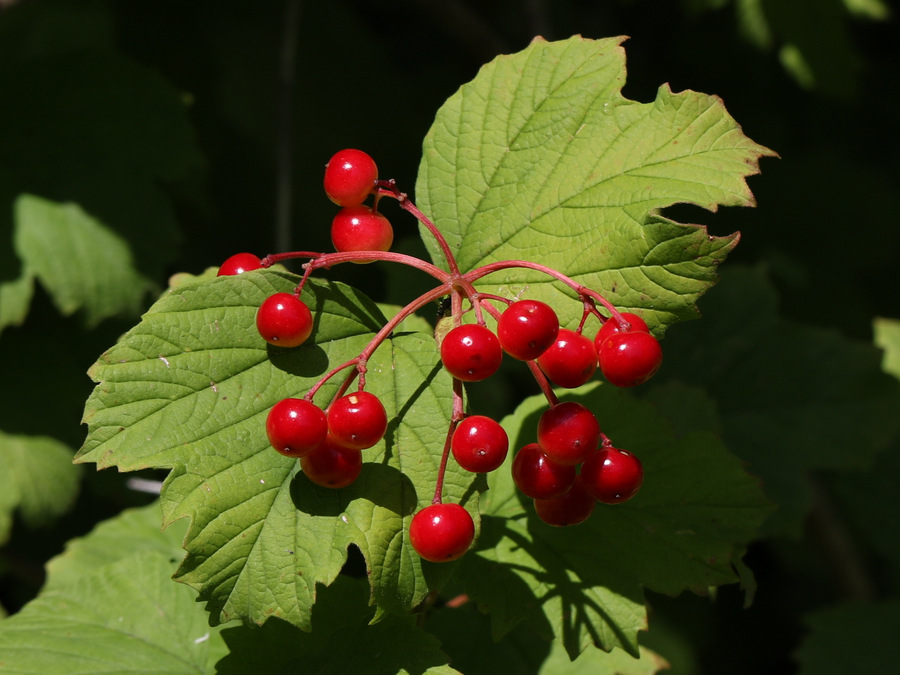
x=189, y=389
x=127, y=617
x=686, y=529
x=541, y=158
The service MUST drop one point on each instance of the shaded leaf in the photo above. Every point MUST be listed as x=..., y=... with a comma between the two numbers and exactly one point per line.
x=541, y=158
x=465, y=635
x=686, y=529
x=873, y=624
x=342, y=641
x=782, y=410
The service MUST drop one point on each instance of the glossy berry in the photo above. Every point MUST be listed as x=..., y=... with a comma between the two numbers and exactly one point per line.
x=357, y=420
x=350, y=177
x=471, y=352
x=610, y=327
x=527, y=328
x=629, y=359
x=442, y=532
x=331, y=465
x=612, y=476
x=238, y=264
x=296, y=427
x=359, y=228
x=570, y=361
x=568, y=432
x=572, y=508
x=284, y=320
x=479, y=444
x=538, y=476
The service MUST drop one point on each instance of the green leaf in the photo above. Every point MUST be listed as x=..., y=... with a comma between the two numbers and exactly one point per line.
x=342, y=641
x=781, y=410
x=871, y=625
x=541, y=158
x=465, y=635
x=189, y=389
x=127, y=617
x=133, y=530
x=38, y=480
x=686, y=529
x=98, y=274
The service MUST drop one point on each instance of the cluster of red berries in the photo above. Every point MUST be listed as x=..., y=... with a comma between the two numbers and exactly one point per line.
x=570, y=467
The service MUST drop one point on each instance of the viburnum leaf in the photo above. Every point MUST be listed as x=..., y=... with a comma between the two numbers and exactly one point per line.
x=541, y=158
x=465, y=635
x=30, y=464
x=887, y=336
x=189, y=389
x=340, y=618
x=126, y=617
x=781, y=411
x=133, y=530
x=686, y=529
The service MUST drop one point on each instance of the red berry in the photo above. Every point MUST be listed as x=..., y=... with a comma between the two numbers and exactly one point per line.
x=284, y=320
x=610, y=327
x=359, y=228
x=296, y=427
x=612, y=476
x=538, y=476
x=570, y=361
x=239, y=263
x=350, y=177
x=628, y=359
x=479, y=444
x=357, y=420
x=442, y=532
x=331, y=465
x=527, y=328
x=572, y=508
x=471, y=352
x=568, y=432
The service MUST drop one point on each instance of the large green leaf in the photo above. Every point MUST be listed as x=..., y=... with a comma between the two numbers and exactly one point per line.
x=541, y=158
x=686, y=529
x=189, y=388
x=128, y=617
x=38, y=480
